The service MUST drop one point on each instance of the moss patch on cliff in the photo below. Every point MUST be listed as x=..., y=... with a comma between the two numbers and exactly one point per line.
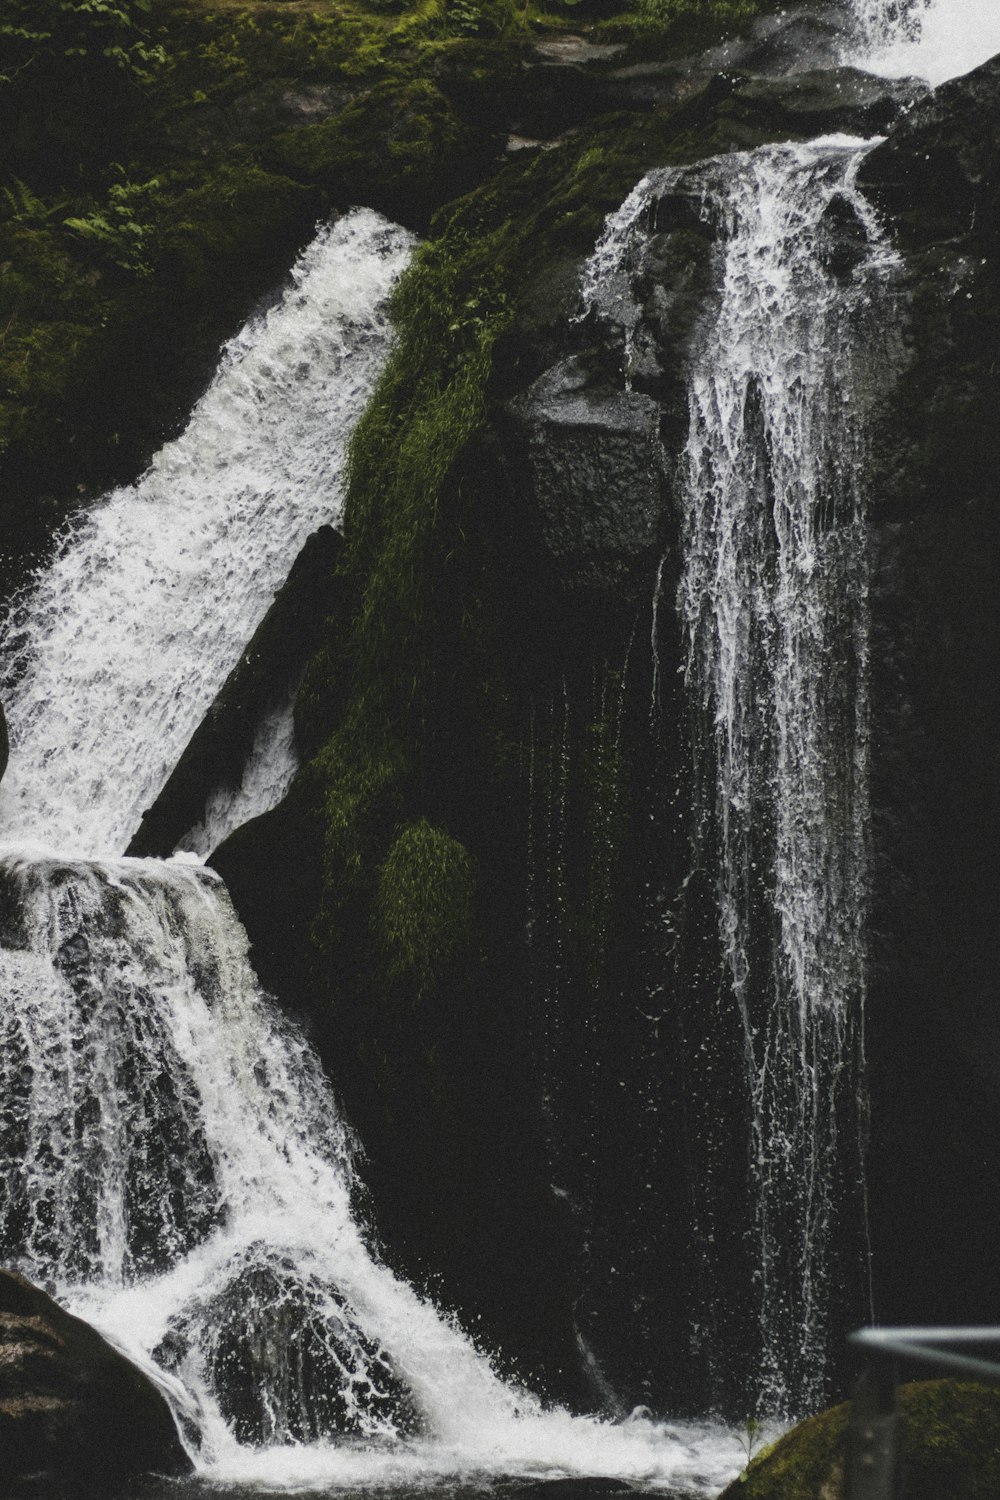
x=422, y=915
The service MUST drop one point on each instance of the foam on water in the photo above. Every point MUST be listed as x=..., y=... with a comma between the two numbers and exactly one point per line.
x=932, y=39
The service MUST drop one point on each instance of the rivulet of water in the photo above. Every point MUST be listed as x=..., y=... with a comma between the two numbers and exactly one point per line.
x=773, y=609
x=110, y=659
x=268, y=773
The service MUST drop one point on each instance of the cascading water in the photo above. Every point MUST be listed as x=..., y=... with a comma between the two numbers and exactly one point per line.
x=152, y=583
x=772, y=603
x=932, y=39
x=171, y=1155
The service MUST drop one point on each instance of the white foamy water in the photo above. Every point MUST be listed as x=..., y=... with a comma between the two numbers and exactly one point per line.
x=173, y=1161
x=933, y=39
x=111, y=659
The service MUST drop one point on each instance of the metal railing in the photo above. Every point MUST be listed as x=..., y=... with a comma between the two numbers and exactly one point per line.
x=873, y=1427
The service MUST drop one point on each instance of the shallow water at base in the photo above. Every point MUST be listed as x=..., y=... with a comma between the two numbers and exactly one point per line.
x=484, y=1487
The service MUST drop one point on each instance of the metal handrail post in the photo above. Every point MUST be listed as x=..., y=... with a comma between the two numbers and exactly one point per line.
x=874, y=1426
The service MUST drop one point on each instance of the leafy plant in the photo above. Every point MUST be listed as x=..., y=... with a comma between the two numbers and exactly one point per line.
x=751, y=1436
x=22, y=205
x=113, y=32
x=120, y=230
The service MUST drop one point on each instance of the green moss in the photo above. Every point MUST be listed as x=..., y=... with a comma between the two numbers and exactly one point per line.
x=355, y=782
x=950, y=1447
x=397, y=147
x=399, y=533
x=449, y=310
x=237, y=216
x=422, y=917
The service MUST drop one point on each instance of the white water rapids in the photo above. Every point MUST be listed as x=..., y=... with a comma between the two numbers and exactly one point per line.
x=932, y=39
x=111, y=658
x=172, y=1161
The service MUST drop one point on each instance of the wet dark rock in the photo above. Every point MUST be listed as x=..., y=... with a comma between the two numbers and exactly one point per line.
x=843, y=241
x=272, y=867
x=73, y=1411
x=936, y=718
x=333, y=1379
x=4, y=743
x=592, y=461
x=938, y=174
x=784, y=44
x=263, y=679
x=830, y=100
x=259, y=113
x=574, y=1489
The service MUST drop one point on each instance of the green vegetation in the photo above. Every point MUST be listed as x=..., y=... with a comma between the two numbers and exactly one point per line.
x=949, y=1447
x=96, y=34
x=422, y=916
x=399, y=535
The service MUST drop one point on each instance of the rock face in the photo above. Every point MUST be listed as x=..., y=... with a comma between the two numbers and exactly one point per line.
x=266, y=674
x=593, y=462
x=932, y=1017
x=948, y=1446
x=573, y=803
x=73, y=1411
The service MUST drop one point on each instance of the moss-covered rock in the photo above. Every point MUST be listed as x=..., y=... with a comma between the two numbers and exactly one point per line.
x=401, y=148
x=950, y=1446
x=423, y=908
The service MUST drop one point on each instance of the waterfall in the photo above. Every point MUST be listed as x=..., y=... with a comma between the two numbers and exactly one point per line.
x=112, y=656
x=268, y=773
x=174, y=1165
x=932, y=39
x=772, y=605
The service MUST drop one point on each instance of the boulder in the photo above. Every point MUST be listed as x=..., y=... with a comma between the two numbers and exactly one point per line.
x=591, y=458
x=74, y=1412
x=937, y=176
x=949, y=1446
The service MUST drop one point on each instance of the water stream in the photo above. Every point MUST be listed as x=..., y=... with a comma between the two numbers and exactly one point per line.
x=173, y=1161
x=772, y=606
x=113, y=655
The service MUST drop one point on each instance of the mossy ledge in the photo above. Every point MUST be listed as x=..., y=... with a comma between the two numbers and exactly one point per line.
x=950, y=1447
